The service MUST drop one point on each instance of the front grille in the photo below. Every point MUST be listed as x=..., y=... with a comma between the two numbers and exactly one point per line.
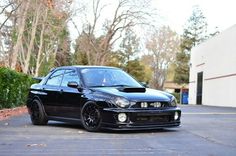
x=150, y=119
x=150, y=104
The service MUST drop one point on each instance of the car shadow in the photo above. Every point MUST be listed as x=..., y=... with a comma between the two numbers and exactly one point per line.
x=163, y=130
x=80, y=127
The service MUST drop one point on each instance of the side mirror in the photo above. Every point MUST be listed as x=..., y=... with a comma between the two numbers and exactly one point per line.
x=75, y=85
x=144, y=84
x=72, y=84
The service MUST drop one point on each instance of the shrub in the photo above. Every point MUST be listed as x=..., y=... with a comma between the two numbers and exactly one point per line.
x=14, y=88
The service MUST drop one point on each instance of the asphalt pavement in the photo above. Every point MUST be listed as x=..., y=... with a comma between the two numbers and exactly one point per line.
x=205, y=130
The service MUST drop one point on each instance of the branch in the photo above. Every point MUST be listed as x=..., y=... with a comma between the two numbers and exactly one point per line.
x=96, y=14
x=9, y=16
x=5, y=7
x=76, y=28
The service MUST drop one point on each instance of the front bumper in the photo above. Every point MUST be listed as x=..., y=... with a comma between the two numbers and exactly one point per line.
x=140, y=119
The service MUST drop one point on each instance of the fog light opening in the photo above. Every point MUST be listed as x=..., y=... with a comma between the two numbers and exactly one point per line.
x=144, y=104
x=176, y=115
x=122, y=117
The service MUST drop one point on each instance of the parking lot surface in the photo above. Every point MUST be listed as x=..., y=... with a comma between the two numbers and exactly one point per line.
x=205, y=130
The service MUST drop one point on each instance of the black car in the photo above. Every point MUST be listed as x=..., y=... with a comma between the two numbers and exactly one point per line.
x=100, y=97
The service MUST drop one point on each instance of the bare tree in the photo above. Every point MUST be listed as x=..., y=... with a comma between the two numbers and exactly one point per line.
x=37, y=33
x=25, y=59
x=52, y=35
x=22, y=11
x=162, y=46
x=127, y=14
x=8, y=15
x=9, y=4
x=39, y=58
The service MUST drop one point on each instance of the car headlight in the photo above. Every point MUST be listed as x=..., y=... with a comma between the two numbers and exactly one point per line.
x=173, y=102
x=121, y=102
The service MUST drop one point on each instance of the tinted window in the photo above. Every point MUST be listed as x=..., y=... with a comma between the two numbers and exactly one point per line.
x=107, y=78
x=69, y=76
x=55, y=78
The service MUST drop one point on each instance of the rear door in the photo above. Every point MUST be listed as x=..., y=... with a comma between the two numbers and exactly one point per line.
x=52, y=90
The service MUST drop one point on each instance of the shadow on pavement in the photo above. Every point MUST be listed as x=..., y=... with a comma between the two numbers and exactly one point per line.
x=80, y=127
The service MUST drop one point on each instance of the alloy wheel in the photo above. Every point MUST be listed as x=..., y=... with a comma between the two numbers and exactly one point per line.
x=91, y=117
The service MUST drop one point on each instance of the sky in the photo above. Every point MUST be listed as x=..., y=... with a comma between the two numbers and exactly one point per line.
x=175, y=13
x=219, y=13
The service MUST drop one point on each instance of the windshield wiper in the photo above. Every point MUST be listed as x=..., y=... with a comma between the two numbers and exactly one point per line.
x=98, y=86
x=120, y=85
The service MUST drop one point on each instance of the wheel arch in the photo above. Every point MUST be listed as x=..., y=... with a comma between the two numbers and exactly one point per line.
x=41, y=103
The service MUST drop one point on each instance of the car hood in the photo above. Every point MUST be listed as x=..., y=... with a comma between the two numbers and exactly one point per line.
x=146, y=95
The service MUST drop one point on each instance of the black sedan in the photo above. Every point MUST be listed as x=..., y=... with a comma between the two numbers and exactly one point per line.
x=100, y=97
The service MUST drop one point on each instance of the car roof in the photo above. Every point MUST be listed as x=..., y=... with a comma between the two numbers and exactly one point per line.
x=85, y=67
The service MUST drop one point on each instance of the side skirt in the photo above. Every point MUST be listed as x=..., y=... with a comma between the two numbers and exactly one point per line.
x=71, y=120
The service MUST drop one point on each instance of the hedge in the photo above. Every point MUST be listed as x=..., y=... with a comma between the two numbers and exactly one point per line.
x=14, y=88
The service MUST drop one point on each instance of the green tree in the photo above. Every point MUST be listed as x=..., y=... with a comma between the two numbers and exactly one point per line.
x=126, y=57
x=194, y=33
x=129, y=46
x=63, y=55
x=182, y=68
x=136, y=69
x=195, y=30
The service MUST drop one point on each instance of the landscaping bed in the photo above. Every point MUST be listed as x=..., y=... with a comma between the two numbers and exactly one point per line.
x=7, y=113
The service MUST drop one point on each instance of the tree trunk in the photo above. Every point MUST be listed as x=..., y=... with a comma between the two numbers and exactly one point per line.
x=21, y=29
x=25, y=68
x=38, y=61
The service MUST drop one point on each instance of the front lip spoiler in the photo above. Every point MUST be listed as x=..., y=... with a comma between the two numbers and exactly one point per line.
x=128, y=127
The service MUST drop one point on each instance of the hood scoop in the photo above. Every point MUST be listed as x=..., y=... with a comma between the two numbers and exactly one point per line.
x=132, y=89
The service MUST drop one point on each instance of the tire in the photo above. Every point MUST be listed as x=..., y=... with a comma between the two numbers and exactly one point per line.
x=91, y=117
x=37, y=114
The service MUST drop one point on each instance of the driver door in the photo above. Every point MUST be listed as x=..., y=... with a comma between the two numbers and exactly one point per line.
x=70, y=98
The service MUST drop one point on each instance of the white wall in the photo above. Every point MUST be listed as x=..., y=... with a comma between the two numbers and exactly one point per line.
x=217, y=59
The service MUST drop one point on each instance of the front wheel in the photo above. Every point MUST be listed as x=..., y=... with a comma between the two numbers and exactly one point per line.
x=91, y=117
x=37, y=114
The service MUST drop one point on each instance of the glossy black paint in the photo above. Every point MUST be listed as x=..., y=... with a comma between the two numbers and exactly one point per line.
x=64, y=103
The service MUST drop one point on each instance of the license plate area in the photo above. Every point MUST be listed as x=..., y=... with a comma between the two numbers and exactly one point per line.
x=151, y=118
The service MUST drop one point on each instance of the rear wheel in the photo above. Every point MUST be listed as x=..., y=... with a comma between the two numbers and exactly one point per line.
x=37, y=114
x=91, y=117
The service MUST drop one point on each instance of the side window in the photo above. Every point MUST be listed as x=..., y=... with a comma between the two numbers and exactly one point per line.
x=70, y=75
x=55, y=78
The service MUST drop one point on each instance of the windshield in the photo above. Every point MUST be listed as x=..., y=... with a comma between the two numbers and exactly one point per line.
x=108, y=77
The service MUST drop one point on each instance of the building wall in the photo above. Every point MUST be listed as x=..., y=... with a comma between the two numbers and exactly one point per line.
x=216, y=58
